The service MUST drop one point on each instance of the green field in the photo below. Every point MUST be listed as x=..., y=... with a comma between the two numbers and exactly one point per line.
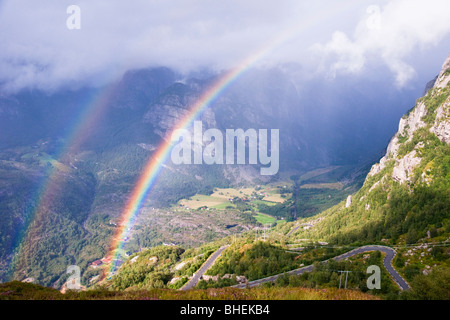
x=268, y=203
x=222, y=198
x=264, y=218
x=201, y=200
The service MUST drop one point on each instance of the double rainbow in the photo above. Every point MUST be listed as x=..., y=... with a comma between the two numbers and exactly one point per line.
x=94, y=108
x=150, y=173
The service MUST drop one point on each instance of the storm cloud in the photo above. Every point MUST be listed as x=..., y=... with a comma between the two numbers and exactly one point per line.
x=328, y=37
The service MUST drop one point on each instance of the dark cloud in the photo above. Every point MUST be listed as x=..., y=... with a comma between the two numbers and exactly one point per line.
x=39, y=51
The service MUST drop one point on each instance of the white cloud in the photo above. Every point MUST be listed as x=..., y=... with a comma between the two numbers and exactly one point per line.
x=392, y=33
x=348, y=56
x=37, y=49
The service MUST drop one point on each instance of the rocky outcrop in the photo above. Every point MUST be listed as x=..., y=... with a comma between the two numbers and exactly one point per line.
x=406, y=128
x=443, y=77
x=404, y=167
x=167, y=113
x=405, y=164
x=239, y=279
x=348, y=203
x=441, y=127
x=242, y=174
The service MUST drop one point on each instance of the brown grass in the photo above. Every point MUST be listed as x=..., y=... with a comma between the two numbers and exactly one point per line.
x=24, y=291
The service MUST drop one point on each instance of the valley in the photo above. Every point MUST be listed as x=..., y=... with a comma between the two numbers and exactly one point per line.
x=63, y=203
x=225, y=150
x=396, y=221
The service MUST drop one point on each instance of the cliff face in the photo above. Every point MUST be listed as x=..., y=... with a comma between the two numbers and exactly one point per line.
x=166, y=113
x=430, y=115
x=407, y=193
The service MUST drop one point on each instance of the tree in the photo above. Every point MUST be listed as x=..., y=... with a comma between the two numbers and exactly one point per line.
x=411, y=236
x=435, y=286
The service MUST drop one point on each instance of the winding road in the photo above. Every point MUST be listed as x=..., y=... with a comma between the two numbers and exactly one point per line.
x=387, y=263
x=208, y=264
x=293, y=230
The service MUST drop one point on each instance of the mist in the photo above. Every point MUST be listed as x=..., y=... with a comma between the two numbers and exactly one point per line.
x=327, y=39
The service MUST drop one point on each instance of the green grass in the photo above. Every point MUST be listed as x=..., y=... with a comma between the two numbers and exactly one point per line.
x=268, y=203
x=224, y=205
x=219, y=199
x=264, y=218
x=200, y=200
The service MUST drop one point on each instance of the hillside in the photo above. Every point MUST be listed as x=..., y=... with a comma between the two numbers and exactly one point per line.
x=69, y=160
x=403, y=203
x=406, y=195
x=405, y=199
x=25, y=291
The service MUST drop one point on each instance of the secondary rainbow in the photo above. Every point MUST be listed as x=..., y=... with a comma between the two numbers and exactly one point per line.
x=90, y=111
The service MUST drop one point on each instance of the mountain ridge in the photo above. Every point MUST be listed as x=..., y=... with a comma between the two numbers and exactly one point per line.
x=403, y=203
x=110, y=159
x=417, y=158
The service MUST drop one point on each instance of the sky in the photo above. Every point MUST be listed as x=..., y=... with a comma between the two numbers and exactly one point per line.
x=328, y=38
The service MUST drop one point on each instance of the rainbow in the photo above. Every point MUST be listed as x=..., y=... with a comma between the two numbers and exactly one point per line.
x=153, y=167
x=151, y=171
x=91, y=110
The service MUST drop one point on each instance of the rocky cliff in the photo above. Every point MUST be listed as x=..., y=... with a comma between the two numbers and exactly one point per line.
x=406, y=194
x=431, y=114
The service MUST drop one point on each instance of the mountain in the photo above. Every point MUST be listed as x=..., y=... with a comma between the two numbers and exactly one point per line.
x=69, y=159
x=403, y=203
x=406, y=194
